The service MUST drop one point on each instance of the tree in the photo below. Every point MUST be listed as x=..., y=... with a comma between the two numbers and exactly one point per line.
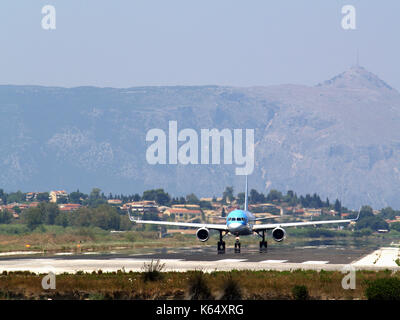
x=95, y=194
x=62, y=219
x=372, y=222
x=256, y=197
x=103, y=216
x=327, y=204
x=16, y=197
x=338, y=206
x=240, y=197
x=192, y=199
x=223, y=213
x=395, y=226
x=50, y=211
x=5, y=217
x=274, y=195
x=366, y=211
x=33, y=217
x=95, y=198
x=290, y=198
x=227, y=195
x=157, y=195
x=43, y=197
x=17, y=209
x=77, y=196
x=388, y=213
x=2, y=196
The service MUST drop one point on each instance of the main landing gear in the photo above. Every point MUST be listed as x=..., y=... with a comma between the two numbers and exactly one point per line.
x=221, y=244
x=263, y=243
x=237, y=245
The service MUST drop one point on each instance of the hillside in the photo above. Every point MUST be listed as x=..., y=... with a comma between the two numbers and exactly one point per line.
x=339, y=138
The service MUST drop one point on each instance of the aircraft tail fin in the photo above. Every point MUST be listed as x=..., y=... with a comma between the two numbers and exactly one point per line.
x=245, y=197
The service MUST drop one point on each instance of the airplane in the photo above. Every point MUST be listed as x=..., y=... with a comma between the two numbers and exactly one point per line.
x=241, y=223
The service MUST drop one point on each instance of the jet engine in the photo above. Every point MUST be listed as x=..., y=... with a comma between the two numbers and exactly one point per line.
x=278, y=234
x=202, y=234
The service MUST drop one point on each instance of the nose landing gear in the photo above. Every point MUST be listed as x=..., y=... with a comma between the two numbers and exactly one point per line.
x=237, y=245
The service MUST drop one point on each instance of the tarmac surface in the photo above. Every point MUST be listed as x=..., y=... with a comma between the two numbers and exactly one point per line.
x=206, y=259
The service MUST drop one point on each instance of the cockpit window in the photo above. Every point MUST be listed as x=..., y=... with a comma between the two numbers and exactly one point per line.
x=237, y=219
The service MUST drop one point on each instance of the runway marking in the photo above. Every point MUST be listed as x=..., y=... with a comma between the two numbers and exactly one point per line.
x=383, y=257
x=231, y=260
x=315, y=262
x=273, y=261
x=170, y=260
x=18, y=253
x=145, y=260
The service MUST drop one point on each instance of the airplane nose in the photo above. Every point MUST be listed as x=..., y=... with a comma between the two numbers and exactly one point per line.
x=235, y=226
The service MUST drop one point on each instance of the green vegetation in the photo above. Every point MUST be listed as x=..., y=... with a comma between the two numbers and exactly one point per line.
x=395, y=226
x=46, y=220
x=5, y=217
x=152, y=271
x=231, y=289
x=369, y=220
x=102, y=216
x=264, y=285
x=198, y=288
x=383, y=289
x=300, y=292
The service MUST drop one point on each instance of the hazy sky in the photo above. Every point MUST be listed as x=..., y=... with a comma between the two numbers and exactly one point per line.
x=195, y=42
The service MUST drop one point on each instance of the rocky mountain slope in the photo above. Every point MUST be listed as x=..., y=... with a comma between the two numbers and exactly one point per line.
x=340, y=138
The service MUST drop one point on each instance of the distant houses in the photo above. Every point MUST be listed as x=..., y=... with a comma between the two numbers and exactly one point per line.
x=67, y=207
x=184, y=214
x=207, y=209
x=114, y=202
x=56, y=196
x=141, y=207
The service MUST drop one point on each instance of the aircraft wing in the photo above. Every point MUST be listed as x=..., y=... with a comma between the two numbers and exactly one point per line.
x=266, y=218
x=268, y=226
x=211, y=226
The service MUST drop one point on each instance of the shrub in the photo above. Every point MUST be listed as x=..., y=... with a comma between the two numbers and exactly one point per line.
x=198, y=288
x=383, y=289
x=300, y=292
x=231, y=289
x=152, y=270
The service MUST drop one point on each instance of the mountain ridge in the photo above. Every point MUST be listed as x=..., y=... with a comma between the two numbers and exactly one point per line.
x=334, y=138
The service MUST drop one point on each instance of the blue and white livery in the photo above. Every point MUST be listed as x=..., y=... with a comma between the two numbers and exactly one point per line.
x=242, y=223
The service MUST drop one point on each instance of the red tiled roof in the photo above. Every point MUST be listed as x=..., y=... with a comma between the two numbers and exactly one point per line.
x=188, y=211
x=69, y=206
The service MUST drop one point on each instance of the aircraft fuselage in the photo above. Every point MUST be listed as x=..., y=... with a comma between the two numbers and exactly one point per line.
x=240, y=222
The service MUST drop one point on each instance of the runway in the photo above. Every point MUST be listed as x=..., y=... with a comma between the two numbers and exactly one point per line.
x=333, y=258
